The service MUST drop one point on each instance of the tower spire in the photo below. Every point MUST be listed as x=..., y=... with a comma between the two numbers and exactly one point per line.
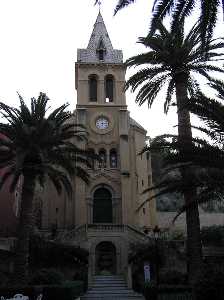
x=100, y=48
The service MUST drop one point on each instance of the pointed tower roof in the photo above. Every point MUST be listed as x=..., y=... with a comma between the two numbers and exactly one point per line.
x=99, y=41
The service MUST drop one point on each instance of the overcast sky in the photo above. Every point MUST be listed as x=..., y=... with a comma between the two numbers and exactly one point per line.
x=39, y=39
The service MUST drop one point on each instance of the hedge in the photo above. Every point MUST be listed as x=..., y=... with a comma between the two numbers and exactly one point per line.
x=168, y=292
x=69, y=290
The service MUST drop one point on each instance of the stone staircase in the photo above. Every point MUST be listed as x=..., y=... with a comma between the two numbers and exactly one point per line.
x=110, y=287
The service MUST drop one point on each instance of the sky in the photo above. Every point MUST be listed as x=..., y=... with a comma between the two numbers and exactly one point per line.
x=39, y=40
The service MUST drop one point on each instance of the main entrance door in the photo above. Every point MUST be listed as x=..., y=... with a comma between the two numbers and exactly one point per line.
x=102, y=206
x=105, y=258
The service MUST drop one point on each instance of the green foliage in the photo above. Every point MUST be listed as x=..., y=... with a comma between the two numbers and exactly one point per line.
x=206, y=156
x=46, y=277
x=209, y=284
x=37, y=146
x=50, y=254
x=4, y=278
x=170, y=56
x=150, y=290
x=35, y=142
x=173, y=277
x=212, y=235
x=179, y=10
x=142, y=252
x=67, y=291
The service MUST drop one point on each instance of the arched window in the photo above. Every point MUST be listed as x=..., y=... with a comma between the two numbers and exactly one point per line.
x=113, y=158
x=102, y=206
x=109, y=88
x=91, y=158
x=93, y=88
x=103, y=158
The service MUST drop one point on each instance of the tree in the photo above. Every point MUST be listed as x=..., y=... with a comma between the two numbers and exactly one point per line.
x=180, y=9
x=35, y=146
x=171, y=63
x=206, y=156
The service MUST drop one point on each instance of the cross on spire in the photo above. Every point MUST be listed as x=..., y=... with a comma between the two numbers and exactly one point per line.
x=99, y=3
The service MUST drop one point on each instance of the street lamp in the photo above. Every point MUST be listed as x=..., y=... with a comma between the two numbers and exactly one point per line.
x=156, y=234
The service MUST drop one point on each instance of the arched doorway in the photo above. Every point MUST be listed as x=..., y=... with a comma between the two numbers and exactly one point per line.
x=105, y=258
x=102, y=206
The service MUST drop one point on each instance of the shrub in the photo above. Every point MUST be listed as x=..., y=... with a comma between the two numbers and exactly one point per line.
x=47, y=276
x=69, y=290
x=150, y=290
x=173, y=277
x=4, y=278
x=210, y=284
x=213, y=235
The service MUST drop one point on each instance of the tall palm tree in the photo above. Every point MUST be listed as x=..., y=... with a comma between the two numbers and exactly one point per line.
x=34, y=146
x=180, y=9
x=206, y=155
x=171, y=64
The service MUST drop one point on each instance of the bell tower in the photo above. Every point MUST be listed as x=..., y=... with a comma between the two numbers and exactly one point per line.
x=100, y=72
x=117, y=181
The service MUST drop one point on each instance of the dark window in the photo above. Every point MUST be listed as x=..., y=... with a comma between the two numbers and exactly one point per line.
x=102, y=158
x=102, y=206
x=101, y=54
x=101, y=50
x=109, y=87
x=93, y=88
x=143, y=210
x=113, y=158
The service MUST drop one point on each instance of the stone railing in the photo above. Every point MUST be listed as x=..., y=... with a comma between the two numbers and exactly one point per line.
x=136, y=235
x=106, y=227
x=76, y=234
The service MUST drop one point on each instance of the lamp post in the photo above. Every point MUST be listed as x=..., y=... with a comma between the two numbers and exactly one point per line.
x=156, y=234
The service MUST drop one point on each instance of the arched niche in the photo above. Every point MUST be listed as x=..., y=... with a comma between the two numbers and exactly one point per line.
x=105, y=258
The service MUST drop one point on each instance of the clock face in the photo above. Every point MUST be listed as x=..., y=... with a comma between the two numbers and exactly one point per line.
x=102, y=123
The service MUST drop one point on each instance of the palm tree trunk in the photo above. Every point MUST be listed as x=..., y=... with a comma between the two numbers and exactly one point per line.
x=194, y=247
x=25, y=226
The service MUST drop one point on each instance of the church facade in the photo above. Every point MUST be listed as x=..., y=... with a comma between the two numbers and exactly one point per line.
x=104, y=216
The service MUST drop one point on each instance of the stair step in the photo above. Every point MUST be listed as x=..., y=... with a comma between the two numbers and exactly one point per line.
x=112, y=298
x=113, y=291
x=107, y=296
x=110, y=287
x=111, y=279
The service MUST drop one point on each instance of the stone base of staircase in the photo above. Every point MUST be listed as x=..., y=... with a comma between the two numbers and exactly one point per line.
x=110, y=287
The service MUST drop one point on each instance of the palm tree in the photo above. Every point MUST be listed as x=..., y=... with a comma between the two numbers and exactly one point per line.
x=180, y=9
x=34, y=147
x=206, y=155
x=171, y=63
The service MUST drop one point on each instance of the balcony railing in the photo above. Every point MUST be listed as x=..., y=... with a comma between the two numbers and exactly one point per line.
x=106, y=227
